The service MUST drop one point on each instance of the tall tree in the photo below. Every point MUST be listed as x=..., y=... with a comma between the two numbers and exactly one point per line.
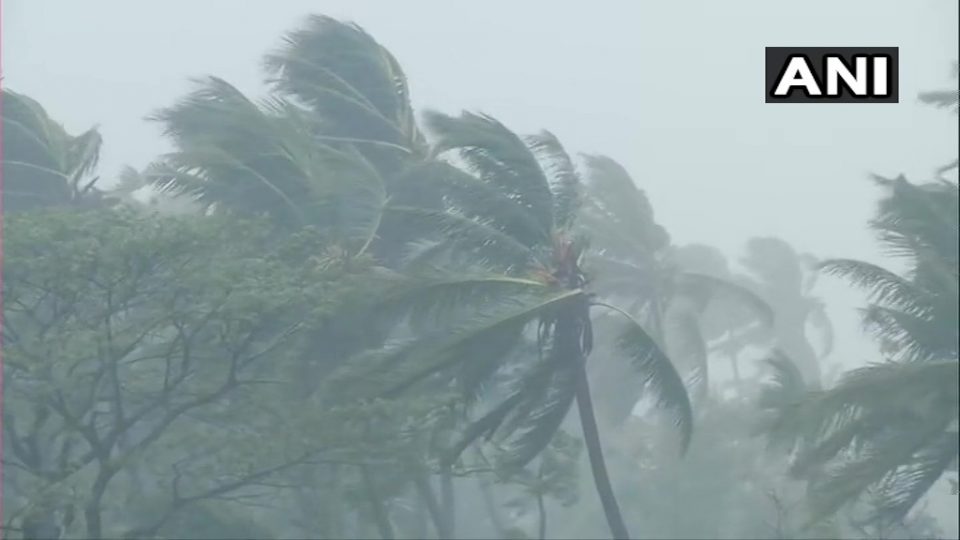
x=888, y=429
x=502, y=259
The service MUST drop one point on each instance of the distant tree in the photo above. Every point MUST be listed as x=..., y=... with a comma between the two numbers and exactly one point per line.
x=633, y=262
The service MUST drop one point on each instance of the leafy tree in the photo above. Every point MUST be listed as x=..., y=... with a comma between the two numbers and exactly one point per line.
x=144, y=347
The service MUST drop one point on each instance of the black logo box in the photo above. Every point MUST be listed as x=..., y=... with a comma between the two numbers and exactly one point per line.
x=776, y=61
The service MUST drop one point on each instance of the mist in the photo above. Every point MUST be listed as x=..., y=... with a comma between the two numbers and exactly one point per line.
x=706, y=210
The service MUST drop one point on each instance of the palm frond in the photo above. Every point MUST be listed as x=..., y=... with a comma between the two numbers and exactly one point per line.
x=500, y=157
x=539, y=415
x=916, y=216
x=354, y=85
x=466, y=194
x=433, y=295
x=657, y=373
x=261, y=159
x=887, y=461
x=706, y=288
x=562, y=175
x=615, y=200
x=866, y=400
x=893, y=385
x=498, y=324
x=911, y=481
x=43, y=165
x=781, y=398
x=884, y=286
x=483, y=240
x=686, y=345
x=911, y=337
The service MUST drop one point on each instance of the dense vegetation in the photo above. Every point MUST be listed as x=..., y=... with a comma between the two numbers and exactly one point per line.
x=323, y=315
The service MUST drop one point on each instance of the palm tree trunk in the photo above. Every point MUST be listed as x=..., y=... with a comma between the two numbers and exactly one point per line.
x=448, y=501
x=591, y=437
x=736, y=371
x=422, y=482
x=421, y=517
x=384, y=527
x=542, y=535
x=492, y=511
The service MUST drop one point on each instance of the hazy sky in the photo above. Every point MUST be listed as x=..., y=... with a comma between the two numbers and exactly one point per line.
x=673, y=89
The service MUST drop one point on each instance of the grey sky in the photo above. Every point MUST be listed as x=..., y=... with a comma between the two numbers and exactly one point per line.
x=624, y=78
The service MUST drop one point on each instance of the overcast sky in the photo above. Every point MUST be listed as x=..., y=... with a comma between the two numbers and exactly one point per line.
x=673, y=89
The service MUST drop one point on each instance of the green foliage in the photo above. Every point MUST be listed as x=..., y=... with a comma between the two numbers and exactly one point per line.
x=128, y=336
x=263, y=159
x=43, y=165
x=888, y=428
x=355, y=88
x=914, y=316
x=633, y=260
x=332, y=315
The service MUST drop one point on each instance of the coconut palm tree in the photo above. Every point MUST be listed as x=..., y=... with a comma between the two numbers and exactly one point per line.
x=786, y=280
x=354, y=88
x=888, y=429
x=43, y=165
x=334, y=141
x=505, y=264
x=235, y=154
x=634, y=261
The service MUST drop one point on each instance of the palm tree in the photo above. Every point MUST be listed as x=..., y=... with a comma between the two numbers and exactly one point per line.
x=945, y=99
x=504, y=263
x=786, y=280
x=234, y=154
x=888, y=429
x=353, y=86
x=635, y=261
x=334, y=141
x=43, y=165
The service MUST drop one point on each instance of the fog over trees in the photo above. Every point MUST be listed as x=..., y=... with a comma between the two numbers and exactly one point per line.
x=323, y=310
